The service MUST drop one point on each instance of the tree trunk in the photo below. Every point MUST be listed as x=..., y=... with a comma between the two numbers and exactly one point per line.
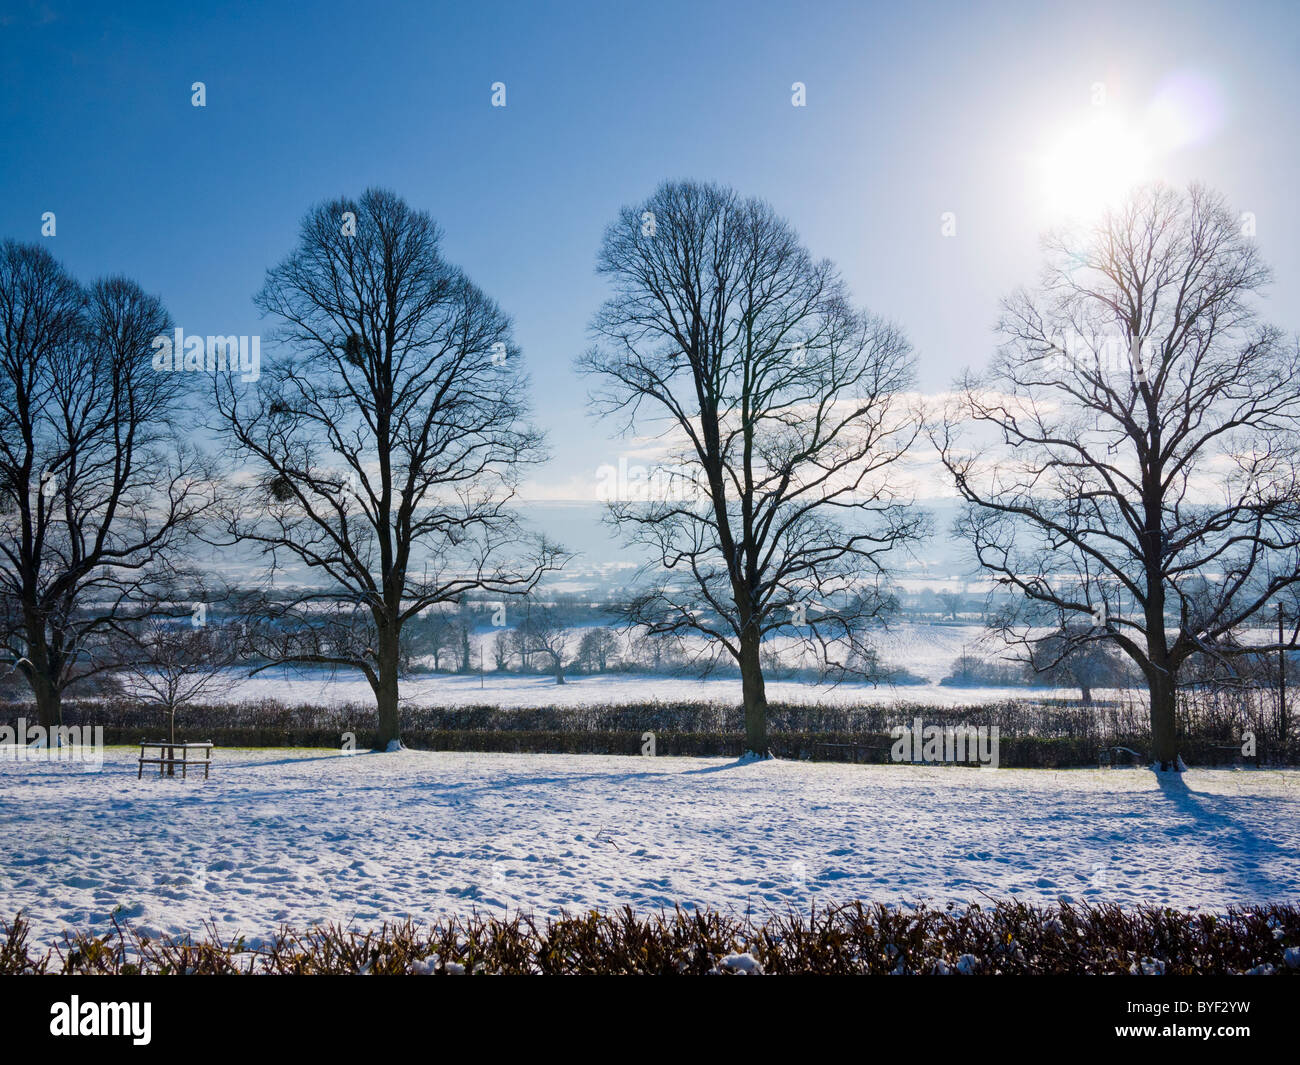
x=1164, y=742
x=386, y=692
x=1085, y=694
x=1161, y=674
x=171, y=736
x=755, y=695
x=40, y=669
x=49, y=705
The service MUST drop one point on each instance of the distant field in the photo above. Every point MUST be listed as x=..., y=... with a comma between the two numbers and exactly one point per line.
x=299, y=687
x=923, y=650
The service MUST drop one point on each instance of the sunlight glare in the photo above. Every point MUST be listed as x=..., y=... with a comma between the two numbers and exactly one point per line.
x=1092, y=165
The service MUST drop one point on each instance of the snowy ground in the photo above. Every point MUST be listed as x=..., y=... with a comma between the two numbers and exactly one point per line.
x=306, y=836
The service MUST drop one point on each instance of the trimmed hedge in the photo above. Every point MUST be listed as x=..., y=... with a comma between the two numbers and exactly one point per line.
x=1043, y=734
x=858, y=938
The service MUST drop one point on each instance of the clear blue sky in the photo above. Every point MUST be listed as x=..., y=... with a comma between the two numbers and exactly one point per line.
x=912, y=110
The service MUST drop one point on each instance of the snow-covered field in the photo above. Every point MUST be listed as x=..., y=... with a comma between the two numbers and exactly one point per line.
x=925, y=650
x=295, y=686
x=307, y=836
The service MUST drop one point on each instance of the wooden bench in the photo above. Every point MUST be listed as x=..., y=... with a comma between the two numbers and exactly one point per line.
x=167, y=760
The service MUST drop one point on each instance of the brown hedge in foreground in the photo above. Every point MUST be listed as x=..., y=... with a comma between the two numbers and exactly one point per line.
x=857, y=938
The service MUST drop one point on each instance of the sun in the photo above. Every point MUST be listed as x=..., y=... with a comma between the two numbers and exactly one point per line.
x=1092, y=165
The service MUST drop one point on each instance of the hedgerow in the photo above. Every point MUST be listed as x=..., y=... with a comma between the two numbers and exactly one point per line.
x=857, y=938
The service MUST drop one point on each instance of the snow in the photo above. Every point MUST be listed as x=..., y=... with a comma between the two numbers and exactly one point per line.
x=742, y=964
x=307, y=836
x=297, y=687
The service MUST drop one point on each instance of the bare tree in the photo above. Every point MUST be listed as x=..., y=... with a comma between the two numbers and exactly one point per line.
x=1131, y=467
x=98, y=488
x=596, y=648
x=436, y=634
x=1079, y=655
x=517, y=644
x=464, y=630
x=547, y=631
x=390, y=440
x=779, y=408
x=501, y=650
x=656, y=651
x=951, y=602
x=444, y=632
x=172, y=660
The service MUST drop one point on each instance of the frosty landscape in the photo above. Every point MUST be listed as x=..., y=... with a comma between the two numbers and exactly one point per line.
x=705, y=488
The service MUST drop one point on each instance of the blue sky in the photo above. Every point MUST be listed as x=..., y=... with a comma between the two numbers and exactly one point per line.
x=912, y=110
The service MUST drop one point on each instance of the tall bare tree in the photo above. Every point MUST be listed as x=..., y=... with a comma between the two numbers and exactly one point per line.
x=779, y=408
x=1131, y=455
x=98, y=488
x=389, y=440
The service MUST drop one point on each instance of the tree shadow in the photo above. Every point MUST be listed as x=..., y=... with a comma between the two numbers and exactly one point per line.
x=739, y=763
x=1222, y=815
